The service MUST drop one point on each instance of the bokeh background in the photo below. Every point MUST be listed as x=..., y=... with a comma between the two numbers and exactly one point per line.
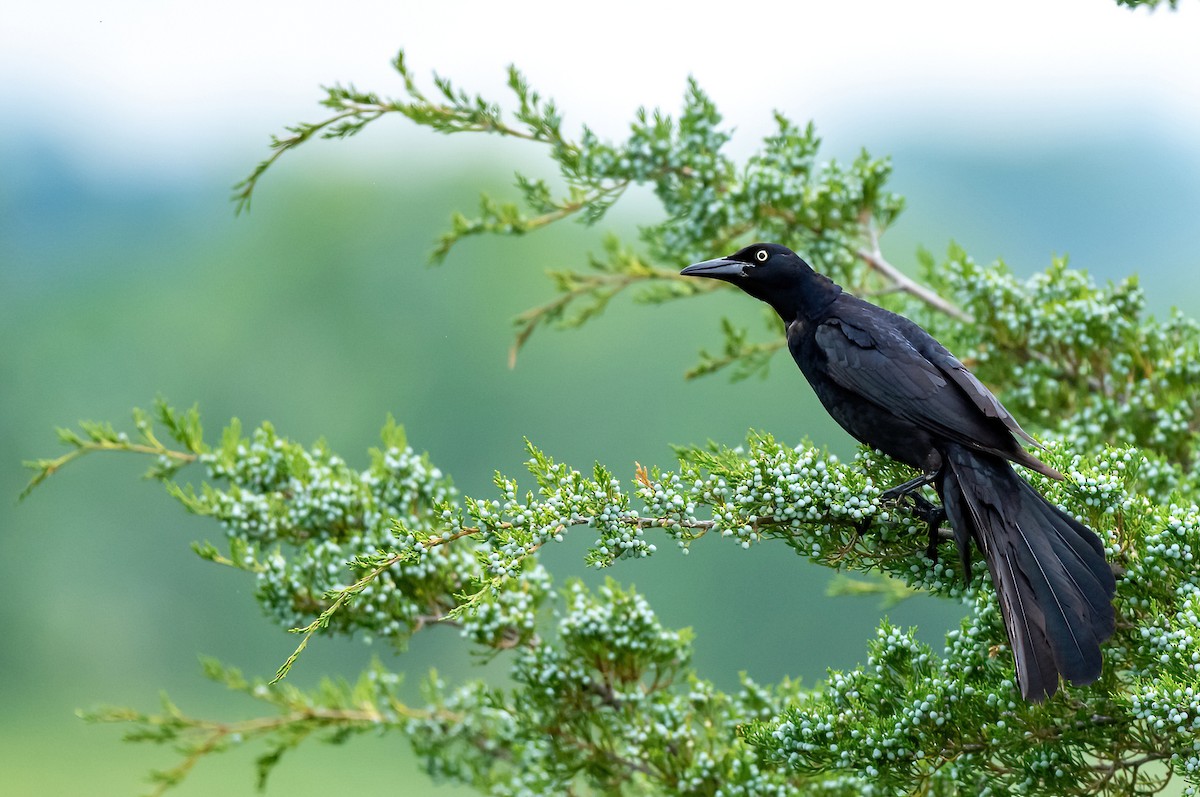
x=1021, y=129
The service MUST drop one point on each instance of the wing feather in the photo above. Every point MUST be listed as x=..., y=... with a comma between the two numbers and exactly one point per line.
x=886, y=359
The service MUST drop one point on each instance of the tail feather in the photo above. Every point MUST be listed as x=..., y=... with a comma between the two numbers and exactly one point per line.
x=1037, y=673
x=1083, y=563
x=1095, y=584
x=1054, y=584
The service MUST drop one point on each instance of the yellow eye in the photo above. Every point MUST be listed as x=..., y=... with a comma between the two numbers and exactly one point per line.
x=761, y=255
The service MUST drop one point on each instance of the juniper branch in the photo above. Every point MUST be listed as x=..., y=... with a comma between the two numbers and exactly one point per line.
x=833, y=213
x=607, y=699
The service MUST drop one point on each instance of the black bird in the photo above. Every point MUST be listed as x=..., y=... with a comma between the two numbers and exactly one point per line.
x=896, y=389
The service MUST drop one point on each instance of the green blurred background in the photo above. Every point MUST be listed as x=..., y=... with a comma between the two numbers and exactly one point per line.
x=318, y=312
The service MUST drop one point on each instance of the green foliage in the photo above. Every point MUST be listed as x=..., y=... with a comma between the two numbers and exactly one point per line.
x=1151, y=4
x=184, y=428
x=334, y=712
x=584, y=696
x=609, y=706
x=601, y=698
x=1081, y=360
x=833, y=212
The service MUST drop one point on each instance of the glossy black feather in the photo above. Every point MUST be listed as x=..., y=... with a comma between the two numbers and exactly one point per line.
x=894, y=388
x=1055, y=585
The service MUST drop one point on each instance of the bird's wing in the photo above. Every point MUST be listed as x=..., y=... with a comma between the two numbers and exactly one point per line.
x=906, y=375
x=978, y=393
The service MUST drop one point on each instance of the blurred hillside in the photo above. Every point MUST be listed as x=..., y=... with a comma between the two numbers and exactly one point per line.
x=318, y=312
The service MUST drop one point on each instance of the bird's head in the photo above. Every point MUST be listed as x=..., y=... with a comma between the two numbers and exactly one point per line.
x=773, y=274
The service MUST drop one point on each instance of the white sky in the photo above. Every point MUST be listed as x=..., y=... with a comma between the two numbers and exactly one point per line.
x=133, y=85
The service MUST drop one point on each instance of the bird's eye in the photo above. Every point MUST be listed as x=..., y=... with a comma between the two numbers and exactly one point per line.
x=761, y=255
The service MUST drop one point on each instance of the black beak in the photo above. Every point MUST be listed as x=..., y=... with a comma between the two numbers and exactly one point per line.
x=722, y=268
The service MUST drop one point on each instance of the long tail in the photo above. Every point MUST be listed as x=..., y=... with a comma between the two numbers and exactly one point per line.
x=1054, y=584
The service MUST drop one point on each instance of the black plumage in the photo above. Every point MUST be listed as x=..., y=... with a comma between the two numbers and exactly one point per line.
x=894, y=388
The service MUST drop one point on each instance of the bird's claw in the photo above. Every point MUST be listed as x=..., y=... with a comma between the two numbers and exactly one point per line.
x=933, y=514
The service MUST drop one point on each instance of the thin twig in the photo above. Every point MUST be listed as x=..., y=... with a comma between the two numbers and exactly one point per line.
x=874, y=258
x=48, y=467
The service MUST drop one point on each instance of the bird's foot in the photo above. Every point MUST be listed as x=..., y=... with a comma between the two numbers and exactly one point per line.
x=909, y=488
x=933, y=514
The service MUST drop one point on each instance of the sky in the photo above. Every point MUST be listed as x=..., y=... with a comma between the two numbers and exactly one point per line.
x=156, y=87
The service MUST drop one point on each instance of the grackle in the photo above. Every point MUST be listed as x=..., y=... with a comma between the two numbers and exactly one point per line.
x=896, y=389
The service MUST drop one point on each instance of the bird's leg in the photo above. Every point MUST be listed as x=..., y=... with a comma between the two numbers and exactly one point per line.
x=909, y=487
x=933, y=515
x=926, y=510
